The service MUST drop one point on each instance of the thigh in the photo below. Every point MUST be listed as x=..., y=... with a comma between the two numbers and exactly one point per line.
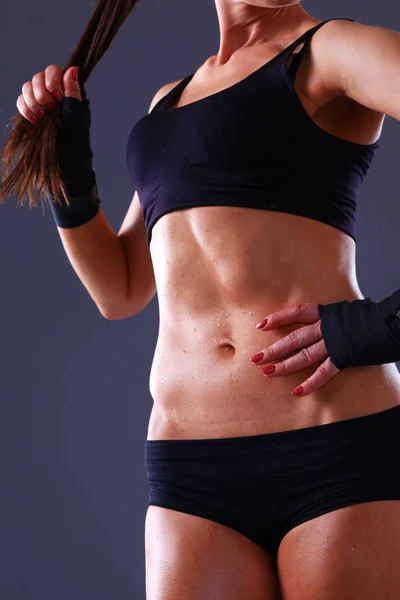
x=352, y=553
x=192, y=558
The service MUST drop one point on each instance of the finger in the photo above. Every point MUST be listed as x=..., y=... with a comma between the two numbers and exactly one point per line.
x=298, y=313
x=322, y=375
x=42, y=96
x=25, y=111
x=34, y=107
x=54, y=81
x=295, y=340
x=71, y=86
x=303, y=359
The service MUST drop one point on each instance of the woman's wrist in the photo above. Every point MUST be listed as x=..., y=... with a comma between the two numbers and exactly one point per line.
x=82, y=208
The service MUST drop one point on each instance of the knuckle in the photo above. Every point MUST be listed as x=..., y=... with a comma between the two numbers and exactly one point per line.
x=26, y=87
x=299, y=307
x=39, y=90
x=293, y=337
x=306, y=354
x=271, y=322
x=53, y=77
x=38, y=78
x=52, y=69
x=281, y=368
x=323, y=369
x=269, y=352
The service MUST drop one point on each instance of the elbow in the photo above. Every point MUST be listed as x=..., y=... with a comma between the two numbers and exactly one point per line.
x=118, y=310
x=110, y=316
x=114, y=313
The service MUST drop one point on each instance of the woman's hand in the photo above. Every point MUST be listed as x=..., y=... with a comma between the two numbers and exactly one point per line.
x=38, y=95
x=308, y=340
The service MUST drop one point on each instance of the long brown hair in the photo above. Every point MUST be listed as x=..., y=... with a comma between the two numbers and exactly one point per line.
x=33, y=147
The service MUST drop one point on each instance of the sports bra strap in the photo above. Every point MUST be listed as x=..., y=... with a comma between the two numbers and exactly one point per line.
x=306, y=38
x=172, y=94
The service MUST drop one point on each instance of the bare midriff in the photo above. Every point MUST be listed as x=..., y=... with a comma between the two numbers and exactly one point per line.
x=219, y=271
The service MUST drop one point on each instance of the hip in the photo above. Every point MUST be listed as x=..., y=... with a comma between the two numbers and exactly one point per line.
x=266, y=485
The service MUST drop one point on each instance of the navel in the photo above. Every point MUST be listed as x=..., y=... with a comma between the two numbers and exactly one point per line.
x=225, y=348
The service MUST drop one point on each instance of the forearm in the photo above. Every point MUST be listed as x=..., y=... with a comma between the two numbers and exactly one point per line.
x=97, y=256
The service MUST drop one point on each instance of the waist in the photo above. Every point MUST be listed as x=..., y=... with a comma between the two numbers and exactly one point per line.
x=204, y=385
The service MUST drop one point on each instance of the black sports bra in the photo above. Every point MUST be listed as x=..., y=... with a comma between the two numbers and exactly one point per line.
x=251, y=145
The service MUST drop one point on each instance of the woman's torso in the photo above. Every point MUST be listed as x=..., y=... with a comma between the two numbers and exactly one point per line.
x=220, y=270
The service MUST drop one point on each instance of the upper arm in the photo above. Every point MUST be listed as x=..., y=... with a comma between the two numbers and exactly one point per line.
x=141, y=280
x=362, y=62
x=133, y=235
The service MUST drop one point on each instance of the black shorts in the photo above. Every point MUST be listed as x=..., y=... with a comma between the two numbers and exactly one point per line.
x=265, y=485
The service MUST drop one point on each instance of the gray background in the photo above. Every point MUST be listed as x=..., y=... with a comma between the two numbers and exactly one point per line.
x=74, y=396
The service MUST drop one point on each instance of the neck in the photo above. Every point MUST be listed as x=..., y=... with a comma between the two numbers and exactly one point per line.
x=243, y=25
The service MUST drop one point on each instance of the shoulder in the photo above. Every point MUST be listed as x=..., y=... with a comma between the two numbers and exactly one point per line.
x=163, y=91
x=342, y=47
x=361, y=62
x=328, y=45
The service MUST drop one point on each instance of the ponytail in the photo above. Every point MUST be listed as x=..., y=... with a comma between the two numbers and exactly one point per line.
x=33, y=147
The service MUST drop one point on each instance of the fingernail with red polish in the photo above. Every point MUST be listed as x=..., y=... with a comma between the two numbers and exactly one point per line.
x=257, y=357
x=269, y=370
x=34, y=120
x=58, y=96
x=298, y=391
x=262, y=324
x=50, y=105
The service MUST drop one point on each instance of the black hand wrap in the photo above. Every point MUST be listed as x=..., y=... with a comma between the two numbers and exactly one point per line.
x=362, y=332
x=75, y=158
